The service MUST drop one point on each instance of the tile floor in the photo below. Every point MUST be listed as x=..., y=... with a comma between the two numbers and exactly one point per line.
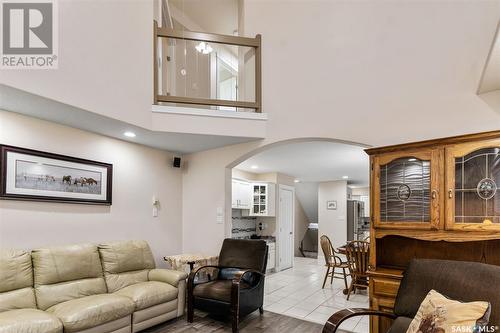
x=296, y=292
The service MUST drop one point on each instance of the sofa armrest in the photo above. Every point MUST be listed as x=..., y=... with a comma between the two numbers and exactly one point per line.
x=338, y=317
x=167, y=275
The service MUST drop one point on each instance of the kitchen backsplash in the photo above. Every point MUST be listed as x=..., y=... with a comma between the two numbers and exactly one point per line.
x=243, y=226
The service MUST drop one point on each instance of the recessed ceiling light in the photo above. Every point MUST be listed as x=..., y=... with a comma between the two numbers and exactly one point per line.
x=296, y=180
x=254, y=167
x=345, y=177
x=129, y=134
x=412, y=160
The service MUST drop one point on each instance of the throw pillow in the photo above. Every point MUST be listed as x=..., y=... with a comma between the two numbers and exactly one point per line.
x=438, y=314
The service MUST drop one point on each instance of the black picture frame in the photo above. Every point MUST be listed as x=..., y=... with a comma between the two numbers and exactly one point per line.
x=6, y=195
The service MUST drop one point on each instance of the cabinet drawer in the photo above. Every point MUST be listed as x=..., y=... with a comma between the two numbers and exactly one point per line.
x=384, y=287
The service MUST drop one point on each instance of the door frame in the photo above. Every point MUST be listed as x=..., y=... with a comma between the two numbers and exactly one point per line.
x=278, y=224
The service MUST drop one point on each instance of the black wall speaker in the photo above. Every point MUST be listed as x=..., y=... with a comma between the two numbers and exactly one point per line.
x=177, y=162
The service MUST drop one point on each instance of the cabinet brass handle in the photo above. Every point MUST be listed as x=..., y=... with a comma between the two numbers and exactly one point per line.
x=434, y=194
x=450, y=193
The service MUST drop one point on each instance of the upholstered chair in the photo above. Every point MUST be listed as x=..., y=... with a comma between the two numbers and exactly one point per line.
x=458, y=280
x=237, y=286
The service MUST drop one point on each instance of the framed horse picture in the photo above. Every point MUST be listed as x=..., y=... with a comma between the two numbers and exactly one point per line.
x=41, y=176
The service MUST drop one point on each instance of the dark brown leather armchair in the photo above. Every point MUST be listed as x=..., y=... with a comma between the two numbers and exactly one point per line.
x=459, y=280
x=237, y=287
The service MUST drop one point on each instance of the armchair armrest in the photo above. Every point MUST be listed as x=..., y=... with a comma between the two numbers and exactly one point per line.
x=239, y=275
x=195, y=272
x=167, y=275
x=337, y=318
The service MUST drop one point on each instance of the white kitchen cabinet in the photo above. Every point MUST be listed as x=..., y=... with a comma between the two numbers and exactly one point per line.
x=242, y=194
x=271, y=256
x=263, y=199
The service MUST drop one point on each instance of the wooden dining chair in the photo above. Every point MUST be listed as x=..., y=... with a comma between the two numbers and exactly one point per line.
x=333, y=261
x=357, y=253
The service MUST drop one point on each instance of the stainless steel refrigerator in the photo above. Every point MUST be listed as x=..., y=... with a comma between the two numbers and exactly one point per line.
x=357, y=224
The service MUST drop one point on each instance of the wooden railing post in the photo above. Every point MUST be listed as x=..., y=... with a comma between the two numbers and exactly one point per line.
x=155, y=62
x=258, y=74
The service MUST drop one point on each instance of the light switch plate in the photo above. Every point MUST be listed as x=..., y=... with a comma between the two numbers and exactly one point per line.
x=220, y=215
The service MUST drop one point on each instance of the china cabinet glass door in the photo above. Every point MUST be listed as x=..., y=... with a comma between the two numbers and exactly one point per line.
x=473, y=176
x=406, y=190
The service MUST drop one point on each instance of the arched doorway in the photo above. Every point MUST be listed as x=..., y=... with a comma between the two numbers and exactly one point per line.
x=298, y=175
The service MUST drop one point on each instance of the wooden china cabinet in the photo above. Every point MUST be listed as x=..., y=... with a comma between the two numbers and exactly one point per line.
x=432, y=199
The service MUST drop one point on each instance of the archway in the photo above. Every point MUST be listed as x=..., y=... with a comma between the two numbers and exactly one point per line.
x=248, y=209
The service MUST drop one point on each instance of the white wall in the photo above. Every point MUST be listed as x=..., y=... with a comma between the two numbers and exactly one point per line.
x=383, y=73
x=307, y=193
x=138, y=174
x=358, y=191
x=105, y=60
x=377, y=65
x=333, y=223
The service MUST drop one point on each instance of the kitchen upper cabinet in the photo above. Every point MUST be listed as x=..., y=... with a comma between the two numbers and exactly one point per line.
x=473, y=175
x=241, y=194
x=406, y=188
x=263, y=199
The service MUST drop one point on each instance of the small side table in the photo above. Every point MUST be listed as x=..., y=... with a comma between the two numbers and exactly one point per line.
x=179, y=261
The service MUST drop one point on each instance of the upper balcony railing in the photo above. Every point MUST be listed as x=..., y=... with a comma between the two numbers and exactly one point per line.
x=207, y=70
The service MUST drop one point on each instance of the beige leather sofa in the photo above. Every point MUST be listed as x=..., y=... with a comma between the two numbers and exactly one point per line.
x=110, y=288
x=18, y=311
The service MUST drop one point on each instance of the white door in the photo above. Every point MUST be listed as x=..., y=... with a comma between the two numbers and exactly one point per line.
x=286, y=199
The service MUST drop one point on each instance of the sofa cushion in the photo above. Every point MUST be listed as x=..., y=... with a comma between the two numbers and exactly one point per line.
x=52, y=294
x=115, y=282
x=16, y=280
x=126, y=256
x=66, y=263
x=18, y=299
x=82, y=313
x=400, y=325
x=218, y=289
x=125, y=263
x=29, y=321
x=15, y=270
x=65, y=273
x=146, y=294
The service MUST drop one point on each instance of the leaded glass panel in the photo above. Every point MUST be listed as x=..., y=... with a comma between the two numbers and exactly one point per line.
x=405, y=186
x=476, y=177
